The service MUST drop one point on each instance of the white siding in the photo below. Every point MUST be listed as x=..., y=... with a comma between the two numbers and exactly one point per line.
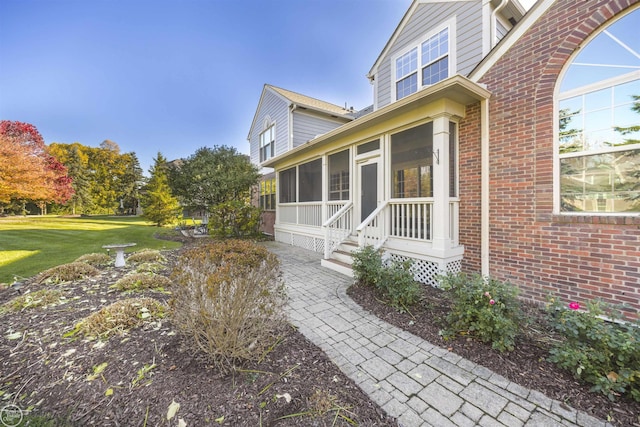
x=307, y=126
x=277, y=109
x=426, y=18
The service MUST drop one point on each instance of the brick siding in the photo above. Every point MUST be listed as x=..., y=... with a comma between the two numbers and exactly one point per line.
x=578, y=257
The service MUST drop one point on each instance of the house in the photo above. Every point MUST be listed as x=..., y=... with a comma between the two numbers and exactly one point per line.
x=284, y=120
x=499, y=142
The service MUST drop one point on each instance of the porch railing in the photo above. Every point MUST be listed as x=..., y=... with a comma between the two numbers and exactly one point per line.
x=308, y=213
x=337, y=228
x=411, y=219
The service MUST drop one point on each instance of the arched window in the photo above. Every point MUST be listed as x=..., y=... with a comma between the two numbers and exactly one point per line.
x=599, y=123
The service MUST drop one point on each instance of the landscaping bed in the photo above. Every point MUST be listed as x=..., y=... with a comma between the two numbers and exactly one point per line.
x=138, y=377
x=526, y=365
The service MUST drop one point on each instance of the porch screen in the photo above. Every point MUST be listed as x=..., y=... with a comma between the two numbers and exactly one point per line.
x=339, y=176
x=288, y=186
x=310, y=181
x=412, y=162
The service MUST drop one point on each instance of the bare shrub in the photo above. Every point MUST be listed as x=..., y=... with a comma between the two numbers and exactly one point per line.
x=146, y=255
x=67, y=273
x=96, y=259
x=119, y=317
x=229, y=300
x=31, y=300
x=141, y=282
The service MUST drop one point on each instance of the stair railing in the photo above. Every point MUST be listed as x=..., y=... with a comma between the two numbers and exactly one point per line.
x=373, y=230
x=337, y=229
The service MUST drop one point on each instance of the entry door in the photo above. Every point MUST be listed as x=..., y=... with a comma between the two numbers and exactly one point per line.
x=369, y=187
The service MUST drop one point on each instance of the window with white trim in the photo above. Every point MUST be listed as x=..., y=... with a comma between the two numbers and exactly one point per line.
x=267, y=143
x=423, y=65
x=599, y=123
x=267, y=199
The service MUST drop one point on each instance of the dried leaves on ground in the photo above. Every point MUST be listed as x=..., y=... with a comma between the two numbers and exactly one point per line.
x=143, y=374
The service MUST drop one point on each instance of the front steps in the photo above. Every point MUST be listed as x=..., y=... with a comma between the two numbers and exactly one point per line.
x=341, y=259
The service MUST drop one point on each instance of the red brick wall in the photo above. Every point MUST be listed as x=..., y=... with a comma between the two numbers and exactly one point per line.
x=469, y=188
x=578, y=257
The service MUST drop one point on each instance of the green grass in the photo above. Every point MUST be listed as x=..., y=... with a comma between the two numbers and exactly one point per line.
x=29, y=245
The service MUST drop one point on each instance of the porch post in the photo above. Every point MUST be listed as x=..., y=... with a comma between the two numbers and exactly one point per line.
x=441, y=239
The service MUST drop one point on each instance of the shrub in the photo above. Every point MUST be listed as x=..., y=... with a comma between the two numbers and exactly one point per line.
x=141, y=282
x=600, y=346
x=229, y=300
x=149, y=267
x=119, y=317
x=31, y=300
x=394, y=279
x=367, y=266
x=146, y=255
x=399, y=285
x=234, y=218
x=67, y=273
x=485, y=308
x=96, y=259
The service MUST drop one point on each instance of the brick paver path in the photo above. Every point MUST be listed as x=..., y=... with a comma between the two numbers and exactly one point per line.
x=418, y=383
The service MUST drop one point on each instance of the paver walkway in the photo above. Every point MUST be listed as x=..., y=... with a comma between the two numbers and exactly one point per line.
x=418, y=383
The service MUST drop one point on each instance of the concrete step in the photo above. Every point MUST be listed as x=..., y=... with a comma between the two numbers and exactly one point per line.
x=342, y=256
x=339, y=266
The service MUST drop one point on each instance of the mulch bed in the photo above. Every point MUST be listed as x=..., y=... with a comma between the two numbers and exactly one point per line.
x=527, y=365
x=149, y=368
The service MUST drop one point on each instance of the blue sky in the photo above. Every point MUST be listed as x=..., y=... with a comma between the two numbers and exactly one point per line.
x=174, y=76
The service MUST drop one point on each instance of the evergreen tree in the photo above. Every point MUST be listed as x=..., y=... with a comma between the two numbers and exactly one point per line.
x=158, y=203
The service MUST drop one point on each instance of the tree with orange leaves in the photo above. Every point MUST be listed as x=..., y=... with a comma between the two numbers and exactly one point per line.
x=27, y=171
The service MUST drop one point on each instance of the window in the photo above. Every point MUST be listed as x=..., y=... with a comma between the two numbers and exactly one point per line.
x=288, y=186
x=311, y=181
x=267, y=143
x=369, y=147
x=412, y=162
x=599, y=123
x=267, y=199
x=339, y=176
x=430, y=57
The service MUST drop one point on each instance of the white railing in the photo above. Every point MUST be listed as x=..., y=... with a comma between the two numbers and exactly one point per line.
x=309, y=213
x=372, y=231
x=411, y=219
x=408, y=219
x=335, y=206
x=337, y=227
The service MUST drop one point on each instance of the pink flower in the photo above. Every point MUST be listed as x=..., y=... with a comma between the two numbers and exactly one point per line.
x=492, y=301
x=574, y=305
x=487, y=294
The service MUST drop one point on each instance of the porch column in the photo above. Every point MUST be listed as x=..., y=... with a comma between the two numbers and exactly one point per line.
x=441, y=239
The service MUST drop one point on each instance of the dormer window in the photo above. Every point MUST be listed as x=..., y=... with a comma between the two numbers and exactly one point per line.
x=267, y=143
x=430, y=56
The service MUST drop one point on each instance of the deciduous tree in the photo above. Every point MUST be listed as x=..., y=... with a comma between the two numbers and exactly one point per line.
x=27, y=171
x=212, y=176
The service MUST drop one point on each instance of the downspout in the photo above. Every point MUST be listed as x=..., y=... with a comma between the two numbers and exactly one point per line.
x=493, y=24
x=484, y=187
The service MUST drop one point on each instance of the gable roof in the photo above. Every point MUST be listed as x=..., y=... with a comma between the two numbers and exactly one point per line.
x=313, y=103
x=294, y=98
x=530, y=18
x=514, y=5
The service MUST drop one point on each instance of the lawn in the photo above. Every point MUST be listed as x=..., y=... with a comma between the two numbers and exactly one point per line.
x=32, y=244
